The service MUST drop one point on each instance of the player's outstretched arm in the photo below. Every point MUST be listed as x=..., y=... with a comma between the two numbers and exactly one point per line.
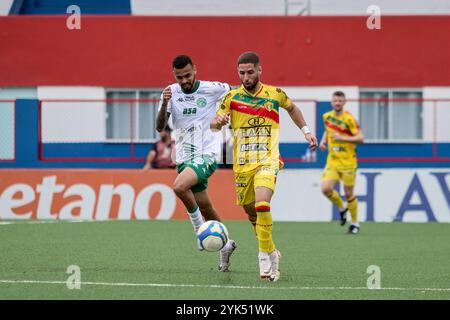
x=297, y=116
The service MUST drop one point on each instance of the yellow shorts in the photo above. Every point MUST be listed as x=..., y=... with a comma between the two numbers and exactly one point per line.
x=247, y=182
x=346, y=174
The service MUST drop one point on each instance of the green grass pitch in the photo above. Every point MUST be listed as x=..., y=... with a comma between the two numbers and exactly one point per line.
x=159, y=260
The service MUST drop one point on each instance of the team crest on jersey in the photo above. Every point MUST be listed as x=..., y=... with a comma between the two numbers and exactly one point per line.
x=268, y=105
x=201, y=102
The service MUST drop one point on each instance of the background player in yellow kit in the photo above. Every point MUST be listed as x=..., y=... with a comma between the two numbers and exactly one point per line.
x=342, y=133
x=253, y=110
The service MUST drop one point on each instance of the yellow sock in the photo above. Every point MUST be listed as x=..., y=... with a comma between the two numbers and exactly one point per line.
x=353, y=208
x=335, y=198
x=264, y=227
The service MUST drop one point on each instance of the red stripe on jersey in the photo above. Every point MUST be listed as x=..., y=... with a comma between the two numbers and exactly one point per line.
x=262, y=208
x=262, y=112
x=335, y=127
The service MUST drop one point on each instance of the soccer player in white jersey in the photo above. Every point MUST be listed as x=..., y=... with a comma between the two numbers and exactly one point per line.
x=192, y=104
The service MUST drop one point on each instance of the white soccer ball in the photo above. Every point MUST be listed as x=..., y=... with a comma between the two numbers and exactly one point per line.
x=212, y=235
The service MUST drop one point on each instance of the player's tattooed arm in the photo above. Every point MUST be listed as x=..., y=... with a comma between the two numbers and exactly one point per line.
x=297, y=116
x=163, y=115
x=161, y=120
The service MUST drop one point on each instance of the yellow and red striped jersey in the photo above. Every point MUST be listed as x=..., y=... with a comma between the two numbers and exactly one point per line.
x=341, y=153
x=255, y=121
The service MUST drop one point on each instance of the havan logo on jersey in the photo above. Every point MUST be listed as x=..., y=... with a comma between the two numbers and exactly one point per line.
x=251, y=132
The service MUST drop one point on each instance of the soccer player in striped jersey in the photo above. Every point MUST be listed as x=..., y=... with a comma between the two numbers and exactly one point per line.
x=342, y=133
x=253, y=110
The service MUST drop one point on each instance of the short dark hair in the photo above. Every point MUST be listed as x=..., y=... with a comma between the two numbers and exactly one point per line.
x=249, y=57
x=181, y=61
x=339, y=94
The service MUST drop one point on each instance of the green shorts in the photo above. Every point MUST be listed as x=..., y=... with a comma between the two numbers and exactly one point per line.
x=203, y=166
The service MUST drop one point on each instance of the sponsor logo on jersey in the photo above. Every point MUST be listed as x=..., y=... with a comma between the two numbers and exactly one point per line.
x=264, y=131
x=256, y=121
x=339, y=149
x=189, y=98
x=189, y=111
x=255, y=147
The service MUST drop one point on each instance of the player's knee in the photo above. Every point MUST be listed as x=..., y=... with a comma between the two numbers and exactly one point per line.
x=179, y=189
x=348, y=194
x=326, y=190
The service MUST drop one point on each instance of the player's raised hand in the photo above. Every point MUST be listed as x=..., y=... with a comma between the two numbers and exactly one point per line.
x=167, y=95
x=312, y=140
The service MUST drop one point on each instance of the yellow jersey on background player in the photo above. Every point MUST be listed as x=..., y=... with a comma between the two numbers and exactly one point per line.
x=342, y=134
x=341, y=153
x=255, y=121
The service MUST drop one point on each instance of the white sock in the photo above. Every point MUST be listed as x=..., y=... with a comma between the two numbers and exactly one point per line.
x=228, y=245
x=196, y=219
x=343, y=208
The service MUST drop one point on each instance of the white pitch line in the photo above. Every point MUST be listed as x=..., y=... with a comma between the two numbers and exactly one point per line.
x=172, y=285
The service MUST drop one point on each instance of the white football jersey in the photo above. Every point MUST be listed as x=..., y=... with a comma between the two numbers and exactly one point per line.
x=191, y=115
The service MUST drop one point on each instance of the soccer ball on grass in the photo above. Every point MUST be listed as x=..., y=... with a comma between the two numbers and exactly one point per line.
x=212, y=236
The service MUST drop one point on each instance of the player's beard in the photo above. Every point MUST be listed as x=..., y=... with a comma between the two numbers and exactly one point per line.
x=252, y=86
x=187, y=87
